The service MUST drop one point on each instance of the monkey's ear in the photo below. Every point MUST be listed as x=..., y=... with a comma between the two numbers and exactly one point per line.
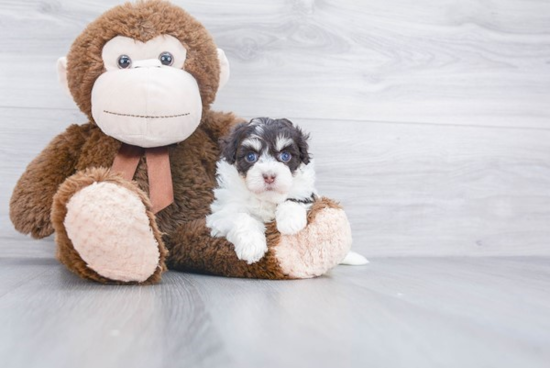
x=62, y=74
x=224, y=69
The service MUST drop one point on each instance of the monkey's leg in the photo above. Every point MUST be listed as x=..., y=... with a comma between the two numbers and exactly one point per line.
x=312, y=252
x=105, y=230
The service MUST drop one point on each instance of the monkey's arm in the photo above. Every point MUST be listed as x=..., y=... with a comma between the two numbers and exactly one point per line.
x=320, y=246
x=32, y=197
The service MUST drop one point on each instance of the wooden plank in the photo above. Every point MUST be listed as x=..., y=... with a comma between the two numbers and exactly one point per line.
x=461, y=312
x=15, y=273
x=412, y=189
x=409, y=189
x=441, y=62
x=62, y=321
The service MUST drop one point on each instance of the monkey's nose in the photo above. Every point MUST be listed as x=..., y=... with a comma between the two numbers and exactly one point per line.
x=269, y=178
x=148, y=63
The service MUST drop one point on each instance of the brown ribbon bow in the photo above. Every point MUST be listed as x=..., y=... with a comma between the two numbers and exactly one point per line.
x=161, y=190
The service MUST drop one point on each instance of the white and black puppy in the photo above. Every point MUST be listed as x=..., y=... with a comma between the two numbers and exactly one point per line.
x=265, y=173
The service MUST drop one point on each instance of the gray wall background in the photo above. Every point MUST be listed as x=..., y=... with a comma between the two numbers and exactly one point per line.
x=430, y=119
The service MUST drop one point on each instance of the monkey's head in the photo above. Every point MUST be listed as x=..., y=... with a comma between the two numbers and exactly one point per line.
x=144, y=73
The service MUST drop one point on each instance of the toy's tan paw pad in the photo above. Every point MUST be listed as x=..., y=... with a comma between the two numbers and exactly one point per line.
x=109, y=228
x=317, y=248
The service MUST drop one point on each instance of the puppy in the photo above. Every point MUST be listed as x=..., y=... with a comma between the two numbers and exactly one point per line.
x=265, y=173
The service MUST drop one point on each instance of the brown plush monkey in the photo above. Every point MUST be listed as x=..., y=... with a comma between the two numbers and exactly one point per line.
x=127, y=192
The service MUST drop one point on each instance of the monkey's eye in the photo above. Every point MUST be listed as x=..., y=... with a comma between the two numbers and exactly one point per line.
x=251, y=157
x=124, y=61
x=285, y=156
x=166, y=58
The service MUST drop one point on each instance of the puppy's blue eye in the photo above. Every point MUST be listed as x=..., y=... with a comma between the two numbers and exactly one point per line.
x=285, y=156
x=124, y=61
x=251, y=157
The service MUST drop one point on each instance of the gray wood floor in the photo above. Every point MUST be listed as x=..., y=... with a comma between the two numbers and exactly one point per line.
x=396, y=312
x=430, y=122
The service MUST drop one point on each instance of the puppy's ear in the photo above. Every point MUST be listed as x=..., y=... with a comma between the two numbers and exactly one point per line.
x=230, y=143
x=287, y=122
x=303, y=146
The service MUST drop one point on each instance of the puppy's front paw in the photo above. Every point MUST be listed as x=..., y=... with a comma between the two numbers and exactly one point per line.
x=291, y=218
x=250, y=247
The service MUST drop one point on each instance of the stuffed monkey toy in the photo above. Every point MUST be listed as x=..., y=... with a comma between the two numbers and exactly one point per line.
x=127, y=193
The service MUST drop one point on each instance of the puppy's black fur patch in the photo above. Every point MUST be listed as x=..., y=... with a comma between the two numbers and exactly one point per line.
x=267, y=131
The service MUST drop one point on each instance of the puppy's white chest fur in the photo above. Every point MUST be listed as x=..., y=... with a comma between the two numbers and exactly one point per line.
x=265, y=211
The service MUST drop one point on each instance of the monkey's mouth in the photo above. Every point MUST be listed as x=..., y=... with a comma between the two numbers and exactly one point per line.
x=146, y=116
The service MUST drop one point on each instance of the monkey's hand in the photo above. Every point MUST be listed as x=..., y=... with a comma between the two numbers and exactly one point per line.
x=32, y=198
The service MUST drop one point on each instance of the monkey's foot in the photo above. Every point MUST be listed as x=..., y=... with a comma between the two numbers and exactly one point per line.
x=320, y=246
x=105, y=230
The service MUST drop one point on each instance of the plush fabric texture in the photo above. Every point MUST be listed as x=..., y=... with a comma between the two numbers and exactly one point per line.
x=142, y=52
x=319, y=248
x=125, y=249
x=181, y=108
x=142, y=21
x=80, y=158
x=66, y=252
x=32, y=198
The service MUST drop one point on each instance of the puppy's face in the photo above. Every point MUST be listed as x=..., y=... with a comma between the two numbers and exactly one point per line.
x=266, y=153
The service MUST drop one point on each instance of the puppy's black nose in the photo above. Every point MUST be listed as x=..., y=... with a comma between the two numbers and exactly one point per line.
x=269, y=178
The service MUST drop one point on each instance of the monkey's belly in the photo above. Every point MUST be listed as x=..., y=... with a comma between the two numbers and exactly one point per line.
x=193, y=193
